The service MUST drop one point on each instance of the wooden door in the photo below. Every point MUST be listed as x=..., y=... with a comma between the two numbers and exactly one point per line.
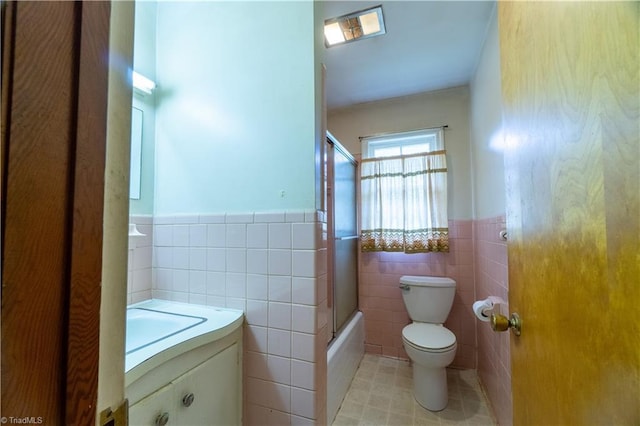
x=54, y=102
x=571, y=94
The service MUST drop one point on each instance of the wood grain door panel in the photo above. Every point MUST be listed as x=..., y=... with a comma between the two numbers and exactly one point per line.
x=571, y=96
x=54, y=96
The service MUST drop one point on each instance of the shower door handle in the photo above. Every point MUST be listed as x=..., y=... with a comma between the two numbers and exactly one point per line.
x=350, y=237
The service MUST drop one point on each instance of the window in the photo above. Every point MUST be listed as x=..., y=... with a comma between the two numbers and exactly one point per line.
x=404, y=193
x=407, y=143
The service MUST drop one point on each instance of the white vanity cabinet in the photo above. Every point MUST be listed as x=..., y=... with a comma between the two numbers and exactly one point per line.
x=192, y=376
x=205, y=395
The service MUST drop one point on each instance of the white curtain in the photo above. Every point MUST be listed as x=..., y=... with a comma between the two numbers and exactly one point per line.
x=404, y=203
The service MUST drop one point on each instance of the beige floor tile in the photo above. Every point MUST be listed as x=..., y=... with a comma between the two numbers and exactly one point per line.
x=422, y=413
x=381, y=401
x=382, y=394
x=365, y=376
x=370, y=359
x=402, y=402
x=361, y=384
x=454, y=405
x=471, y=393
x=351, y=409
x=384, y=379
x=399, y=420
x=479, y=420
x=468, y=379
x=387, y=369
x=388, y=361
x=425, y=422
x=402, y=382
x=357, y=395
x=450, y=414
x=343, y=420
x=374, y=416
x=405, y=370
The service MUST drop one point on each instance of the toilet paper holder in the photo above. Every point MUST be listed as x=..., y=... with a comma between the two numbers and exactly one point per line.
x=500, y=322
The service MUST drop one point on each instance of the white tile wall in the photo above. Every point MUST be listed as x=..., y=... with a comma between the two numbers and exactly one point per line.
x=236, y=235
x=237, y=260
x=279, y=262
x=257, y=261
x=180, y=235
x=258, y=235
x=280, y=288
x=163, y=235
x=216, y=235
x=198, y=235
x=279, y=369
x=236, y=285
x=279, y=342
x=302, y=374
x=303, y=402
x=303, y=290
x=257, y=312
x=140, y=273
x=217, y=259
x=216, y=283
x=305, y=236
x=303, y=347
x=272, y=265
x=280, y=236
x=280, y=315
x=257, y=286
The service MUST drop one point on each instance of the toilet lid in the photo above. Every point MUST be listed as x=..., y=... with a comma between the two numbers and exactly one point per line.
x=429, y=336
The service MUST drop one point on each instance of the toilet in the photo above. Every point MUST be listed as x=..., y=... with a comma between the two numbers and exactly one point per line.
x=430, y=346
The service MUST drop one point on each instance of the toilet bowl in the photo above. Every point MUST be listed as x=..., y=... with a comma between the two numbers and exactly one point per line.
x=431, y=349
x=430, y=346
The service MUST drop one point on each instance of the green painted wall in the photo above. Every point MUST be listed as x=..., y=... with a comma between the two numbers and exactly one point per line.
x=236, y=107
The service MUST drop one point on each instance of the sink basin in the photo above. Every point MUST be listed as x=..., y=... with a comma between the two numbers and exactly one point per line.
x=148, y=326
x=159, y=330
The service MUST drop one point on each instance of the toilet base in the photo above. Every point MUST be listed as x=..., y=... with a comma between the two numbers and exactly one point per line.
x=430, y=387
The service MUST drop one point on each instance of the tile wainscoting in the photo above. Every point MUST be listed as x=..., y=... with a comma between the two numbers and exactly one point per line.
x=273, y=266
x=478, y=262
x=381, y=298
x=492, y=279
x=139, y=277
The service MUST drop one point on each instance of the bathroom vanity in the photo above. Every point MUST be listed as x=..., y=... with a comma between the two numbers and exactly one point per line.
x=183, y=364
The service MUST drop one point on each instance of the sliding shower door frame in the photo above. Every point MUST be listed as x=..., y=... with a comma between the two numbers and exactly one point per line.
x=339, y=240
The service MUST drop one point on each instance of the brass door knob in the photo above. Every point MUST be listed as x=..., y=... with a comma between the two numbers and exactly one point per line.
x=501, y=323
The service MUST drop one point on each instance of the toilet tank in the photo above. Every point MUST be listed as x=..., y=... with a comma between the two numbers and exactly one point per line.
x=428, y=299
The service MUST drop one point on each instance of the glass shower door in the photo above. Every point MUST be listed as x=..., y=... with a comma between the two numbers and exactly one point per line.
x=345, y=235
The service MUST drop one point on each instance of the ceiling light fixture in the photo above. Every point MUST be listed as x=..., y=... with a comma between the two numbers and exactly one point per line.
x=354, y=26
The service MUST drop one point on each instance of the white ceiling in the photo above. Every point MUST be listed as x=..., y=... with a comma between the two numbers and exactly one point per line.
x=429, y=45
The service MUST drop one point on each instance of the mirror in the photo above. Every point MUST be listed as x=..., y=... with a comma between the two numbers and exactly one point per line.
x=136, y=153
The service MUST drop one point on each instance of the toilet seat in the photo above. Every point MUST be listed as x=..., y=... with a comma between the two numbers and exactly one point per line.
x=429, y=337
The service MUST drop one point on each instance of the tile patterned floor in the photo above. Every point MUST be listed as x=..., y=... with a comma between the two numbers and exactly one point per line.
x=381, y=394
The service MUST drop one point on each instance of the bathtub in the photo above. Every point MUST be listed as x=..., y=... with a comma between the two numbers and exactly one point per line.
x=173, y=348
x=343, y=357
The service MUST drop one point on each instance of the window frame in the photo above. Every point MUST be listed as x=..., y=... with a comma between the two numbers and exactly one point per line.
x=432, y=136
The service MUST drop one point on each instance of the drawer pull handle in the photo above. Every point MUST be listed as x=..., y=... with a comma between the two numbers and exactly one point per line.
x=162, y=419
x=187, y=400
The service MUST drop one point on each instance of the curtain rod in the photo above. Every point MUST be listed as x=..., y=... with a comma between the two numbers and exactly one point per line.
x=446, y=126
